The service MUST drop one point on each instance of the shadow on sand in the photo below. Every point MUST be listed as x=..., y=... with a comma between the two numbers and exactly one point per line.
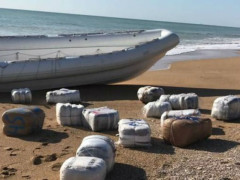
x=233, y=121
x=46, y=135
x=217, y=131
x=129, y=92
x=214, y=145
x=126, y=172
x=158, y=147
x=120, y=92
x=205, y=111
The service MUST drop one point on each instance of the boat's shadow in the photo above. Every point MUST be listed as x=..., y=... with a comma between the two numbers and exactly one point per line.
x=129, y=92
x=120, y=92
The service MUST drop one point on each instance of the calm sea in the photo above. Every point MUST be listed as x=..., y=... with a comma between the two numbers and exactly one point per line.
x=193, y=37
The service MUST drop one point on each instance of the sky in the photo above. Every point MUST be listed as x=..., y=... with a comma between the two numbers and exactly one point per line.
x=211, y=12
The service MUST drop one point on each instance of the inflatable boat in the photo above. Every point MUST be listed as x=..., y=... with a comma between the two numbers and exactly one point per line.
x=46, y=62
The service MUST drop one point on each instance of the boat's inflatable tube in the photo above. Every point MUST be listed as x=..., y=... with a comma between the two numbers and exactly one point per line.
x=136, y=53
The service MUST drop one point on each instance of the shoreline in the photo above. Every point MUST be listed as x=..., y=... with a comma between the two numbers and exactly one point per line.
x=166, y=61
x=194, y=73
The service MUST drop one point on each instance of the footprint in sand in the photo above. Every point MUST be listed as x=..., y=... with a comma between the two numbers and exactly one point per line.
x=8, y=148
x=50, y=158
x=6, y=172
x=37, y=160
x=220, y=126
x=40, y=146
x=13, y=151
x=26, y=177
x=56, y=166
x=65, y=151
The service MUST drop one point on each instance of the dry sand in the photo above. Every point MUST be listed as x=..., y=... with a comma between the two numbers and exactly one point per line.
x=40, y=156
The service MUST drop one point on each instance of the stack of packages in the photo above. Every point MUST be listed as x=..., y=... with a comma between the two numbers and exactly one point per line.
x=66, y=114
x=95, y=157
x=157, y=102
x=96, y=119
x=182, y=105
x=182, y=126
x=180, y=121
x=149, y=96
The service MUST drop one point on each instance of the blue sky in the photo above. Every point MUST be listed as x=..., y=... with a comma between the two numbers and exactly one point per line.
x=213, y=12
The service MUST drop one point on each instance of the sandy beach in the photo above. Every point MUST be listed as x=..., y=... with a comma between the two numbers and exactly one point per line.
x=40, y=156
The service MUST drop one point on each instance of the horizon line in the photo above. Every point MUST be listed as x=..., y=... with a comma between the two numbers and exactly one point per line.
x=42, y=11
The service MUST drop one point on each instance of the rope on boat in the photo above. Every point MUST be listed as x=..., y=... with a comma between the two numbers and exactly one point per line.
x=17, y=54
x=14, y=54
x=58, y=54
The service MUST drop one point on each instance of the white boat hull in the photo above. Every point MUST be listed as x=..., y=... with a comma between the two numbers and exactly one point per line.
x=90, y=69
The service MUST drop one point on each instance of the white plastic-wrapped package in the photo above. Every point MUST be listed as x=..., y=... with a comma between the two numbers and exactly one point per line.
x=156, y=109
x=102, y=118
x=69, y=114
x=226, y=108
x=164, y=98
x=179, y=113
x=23, y=96
x=98, y=146
x=84, y=168
x=134, y=132
x=63, y=96
x=181, y=101
x=148, y=93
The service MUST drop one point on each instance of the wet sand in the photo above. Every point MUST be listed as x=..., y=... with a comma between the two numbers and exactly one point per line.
x=40, y=156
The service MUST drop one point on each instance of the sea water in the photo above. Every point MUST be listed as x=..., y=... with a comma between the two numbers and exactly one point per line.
x=193, y=37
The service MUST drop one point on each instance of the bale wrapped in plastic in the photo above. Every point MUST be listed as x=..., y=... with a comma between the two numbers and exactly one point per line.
x=134, y=132
x=22, y=121
x=69, y=114
x=63, y=96
x=184, y=131
x=21, y=96
x=179, y=113
x=156, y=109
x=84, y=168
x=164, y=98
x=181, y=101
x=98, y=146
x=148, y=94
x=99, y=119
x=226, y=108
